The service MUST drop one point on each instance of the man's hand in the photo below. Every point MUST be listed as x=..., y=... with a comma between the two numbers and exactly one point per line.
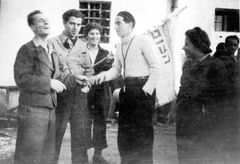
x=98, y=79
x=57, y=85
x=85, y=89
x=82, y=80
x=110, y=57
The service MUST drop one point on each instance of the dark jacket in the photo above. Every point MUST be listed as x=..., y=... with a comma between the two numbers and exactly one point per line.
x=99, y=95
x=33, y=71
x=230, y=64
x=202, y=83
x=105, y=66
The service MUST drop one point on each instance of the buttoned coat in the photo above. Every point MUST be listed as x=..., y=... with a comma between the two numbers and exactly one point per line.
x=71, y=60
x=33, y=71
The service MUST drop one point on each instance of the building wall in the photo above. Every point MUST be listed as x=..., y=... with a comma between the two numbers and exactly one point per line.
x=14, y=30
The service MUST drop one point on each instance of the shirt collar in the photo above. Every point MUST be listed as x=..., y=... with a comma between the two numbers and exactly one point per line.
x=127, y=38
x=49, y=49
x=65, y=37
x=37, y=43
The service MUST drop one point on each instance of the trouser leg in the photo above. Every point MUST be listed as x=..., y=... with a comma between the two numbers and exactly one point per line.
x=135, y=135
x=101, y=105
x=49, y=147
x=61, y=125
x=78, y=124
x=32, y=135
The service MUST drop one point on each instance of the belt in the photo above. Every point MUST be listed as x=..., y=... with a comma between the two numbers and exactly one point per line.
x=136, y=78
x=134, y=81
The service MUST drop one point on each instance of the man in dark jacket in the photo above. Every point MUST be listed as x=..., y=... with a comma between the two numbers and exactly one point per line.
x=36, y=72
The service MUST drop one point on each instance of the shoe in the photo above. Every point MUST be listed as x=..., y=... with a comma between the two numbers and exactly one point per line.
x=98, y=159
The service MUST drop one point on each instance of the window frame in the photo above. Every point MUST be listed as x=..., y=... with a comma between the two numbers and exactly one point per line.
x=99, y=12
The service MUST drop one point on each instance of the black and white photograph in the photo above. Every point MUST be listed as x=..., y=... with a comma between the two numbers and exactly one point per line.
x=120, y=82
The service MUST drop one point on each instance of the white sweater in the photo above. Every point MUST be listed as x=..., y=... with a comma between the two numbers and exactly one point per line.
x=141, y=60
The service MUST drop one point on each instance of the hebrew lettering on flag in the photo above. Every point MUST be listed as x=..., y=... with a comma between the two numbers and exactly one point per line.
x=165, y=92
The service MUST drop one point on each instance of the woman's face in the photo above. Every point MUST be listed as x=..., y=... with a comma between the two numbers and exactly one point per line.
x=190, y=50
x=93, y=37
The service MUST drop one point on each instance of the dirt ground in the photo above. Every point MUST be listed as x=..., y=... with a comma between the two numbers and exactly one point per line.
x=165, y=151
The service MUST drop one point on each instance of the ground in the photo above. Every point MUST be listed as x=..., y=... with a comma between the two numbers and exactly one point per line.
x=164, y=145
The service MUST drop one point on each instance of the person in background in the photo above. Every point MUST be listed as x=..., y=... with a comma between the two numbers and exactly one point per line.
x=36, y=72
x=232, y=43
x=72, y=103
x=220, y=50
x=198, y=120
x=99, y=95
x=231, y=63
x=136, y=57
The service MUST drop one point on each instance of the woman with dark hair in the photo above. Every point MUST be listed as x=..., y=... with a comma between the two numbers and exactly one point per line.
x=202, y=86
x=99, y=95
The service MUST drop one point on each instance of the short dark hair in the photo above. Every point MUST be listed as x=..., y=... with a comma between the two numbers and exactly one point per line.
x=127, y=17
x=72, y=13
x=91, y=26
x=231, y=37
x=30, y=16
x=199, y=39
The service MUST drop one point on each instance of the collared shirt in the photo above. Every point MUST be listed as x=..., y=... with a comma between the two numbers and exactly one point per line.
x=68, y=42
x=140, y=60
x=46, y=47
x=75, y=60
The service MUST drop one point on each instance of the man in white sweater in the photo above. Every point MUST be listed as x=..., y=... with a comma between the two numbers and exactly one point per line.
x=137, y=59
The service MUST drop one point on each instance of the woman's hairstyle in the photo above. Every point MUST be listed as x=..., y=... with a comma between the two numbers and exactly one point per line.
x=90, y=27
x=199, y=39
x=127, y=17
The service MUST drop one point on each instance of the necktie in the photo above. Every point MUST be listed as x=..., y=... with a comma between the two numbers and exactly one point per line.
x=69, y=43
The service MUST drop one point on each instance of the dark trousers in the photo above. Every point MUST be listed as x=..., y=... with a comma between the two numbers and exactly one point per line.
x=99, y=102
x=35, y=136
x=135, y=129
x=74, y=111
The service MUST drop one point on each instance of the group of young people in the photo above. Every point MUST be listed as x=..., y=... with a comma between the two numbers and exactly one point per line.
x=60, y=83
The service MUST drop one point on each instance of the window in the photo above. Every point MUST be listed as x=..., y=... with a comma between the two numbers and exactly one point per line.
x=227, y=20
x=99, y=12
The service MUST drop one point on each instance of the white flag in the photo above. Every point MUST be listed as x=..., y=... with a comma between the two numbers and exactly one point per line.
x=165, y=92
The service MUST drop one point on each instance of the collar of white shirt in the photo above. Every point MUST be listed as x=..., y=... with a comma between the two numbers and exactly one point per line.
x=37, y=43
x=47, y=47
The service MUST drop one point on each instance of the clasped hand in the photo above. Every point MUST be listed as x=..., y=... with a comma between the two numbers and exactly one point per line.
x=92, y=80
